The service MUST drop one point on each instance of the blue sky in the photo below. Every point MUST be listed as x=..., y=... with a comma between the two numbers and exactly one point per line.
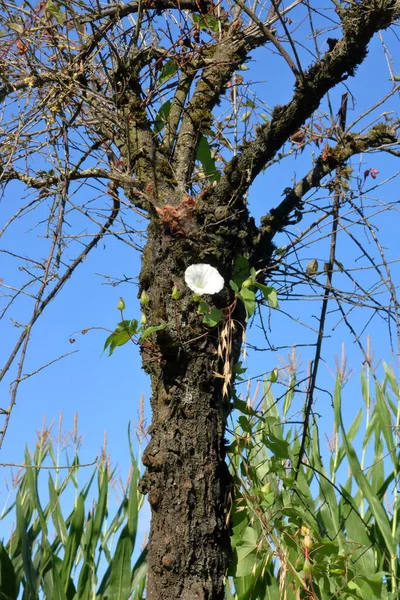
x=104, y=391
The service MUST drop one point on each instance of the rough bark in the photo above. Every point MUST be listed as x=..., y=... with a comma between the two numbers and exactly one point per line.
x=187, y=479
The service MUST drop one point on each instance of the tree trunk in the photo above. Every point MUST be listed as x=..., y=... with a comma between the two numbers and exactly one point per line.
x=188, y=482
x=187, y=479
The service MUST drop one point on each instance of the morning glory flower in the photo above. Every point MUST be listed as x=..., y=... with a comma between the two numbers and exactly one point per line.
x=204, y=279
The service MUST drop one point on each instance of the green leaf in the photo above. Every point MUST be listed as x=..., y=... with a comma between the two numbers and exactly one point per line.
x=234, y=287
x=376, y=507
x=203, y=307
x=119, y=585
x=56, y=513
x=238, y=369
x=289, y=395
x=250, y=104
x=31, y=478
x=206, y=22
x=244, y=408
x=168, y=70
x=101, y=506
x=246, y=552
x=162, y=116
x=241, y=271
x=204, y=156
x=279, y=448
x=139, y=571
x=52, y=585
x=25, y=549
x=8, y=580
x=387, y=427
x=54, y=11
x=124, y=331
x=245, y=424
x=135, y=499
x=74, y=538
x=245, y=116
x=248, y=298
x=149, y=330
x=92, y=537
x=213, y=318
x=269, y=293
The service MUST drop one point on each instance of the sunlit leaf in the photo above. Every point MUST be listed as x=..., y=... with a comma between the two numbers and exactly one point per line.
x=168, y=70
x=162, y=116
x=269, y=293
x=206, y=22
x=204, y=156
x=248, y=298
x=149, y=330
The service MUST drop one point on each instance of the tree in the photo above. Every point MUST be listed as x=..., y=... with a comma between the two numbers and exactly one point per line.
x=127, y=99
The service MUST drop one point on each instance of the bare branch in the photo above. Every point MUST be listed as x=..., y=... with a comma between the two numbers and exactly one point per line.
x=331, y=158
x=119, y=11
x=271, y=38
x=360, y=22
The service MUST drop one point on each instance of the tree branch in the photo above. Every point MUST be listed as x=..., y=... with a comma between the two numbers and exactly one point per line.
x=330, y=159
x=219, y=63
x=271, y=38
x=41, y=304
x=120, y=11
x=360, y=22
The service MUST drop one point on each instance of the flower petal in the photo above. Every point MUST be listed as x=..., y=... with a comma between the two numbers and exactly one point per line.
x=203, y=279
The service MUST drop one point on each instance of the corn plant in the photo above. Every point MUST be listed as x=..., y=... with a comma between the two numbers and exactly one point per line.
x=299, y=530
x=87, y=555
x=307, y=530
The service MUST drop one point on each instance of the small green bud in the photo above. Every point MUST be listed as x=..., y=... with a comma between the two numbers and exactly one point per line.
x=249, y=282
x=175, y=293
x=307, y=566
x=196, y=297
x=273, y=375
x=121, y=304
x=144, y=299
x=143, y=319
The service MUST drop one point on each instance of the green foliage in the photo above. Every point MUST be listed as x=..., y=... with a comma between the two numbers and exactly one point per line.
x=74, y=558
x=300, y=531
x=126, y=330
x=206, y=22
x=245, y=285
x=162, y=116
x=204, y=156
x=212, y=315
x=304, y=530
x=53, y=11
x=169, y=69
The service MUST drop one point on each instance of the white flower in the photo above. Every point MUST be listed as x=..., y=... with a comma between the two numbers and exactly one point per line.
x=204, y=279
